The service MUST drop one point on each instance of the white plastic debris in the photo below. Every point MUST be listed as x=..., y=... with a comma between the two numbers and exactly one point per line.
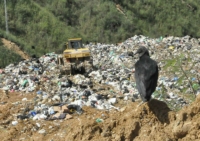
x=14, y=122
x=112, y=100
x=24, y=99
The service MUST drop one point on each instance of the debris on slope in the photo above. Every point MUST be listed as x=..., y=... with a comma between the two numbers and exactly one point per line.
x=153, y=120
x=36, y=95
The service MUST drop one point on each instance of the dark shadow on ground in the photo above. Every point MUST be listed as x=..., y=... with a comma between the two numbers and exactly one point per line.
x=160, y=110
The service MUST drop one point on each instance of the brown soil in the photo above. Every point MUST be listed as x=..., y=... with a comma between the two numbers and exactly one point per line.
x=151, y=121
x=12, y=46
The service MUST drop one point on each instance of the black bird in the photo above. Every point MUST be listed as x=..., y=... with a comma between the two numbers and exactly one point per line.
x=146, y=74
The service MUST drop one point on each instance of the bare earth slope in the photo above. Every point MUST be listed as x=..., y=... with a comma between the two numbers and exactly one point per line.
x=153, y=122
x=12, y=46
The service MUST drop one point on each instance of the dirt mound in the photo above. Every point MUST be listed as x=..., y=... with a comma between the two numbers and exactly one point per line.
x=153, y=120
x=12, y=46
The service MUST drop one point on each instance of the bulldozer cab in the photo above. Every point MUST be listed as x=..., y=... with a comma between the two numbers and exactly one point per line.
x=75, y=43
x=76, y=57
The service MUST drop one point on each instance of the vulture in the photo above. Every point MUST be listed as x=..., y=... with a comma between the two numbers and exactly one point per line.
x=146, y=74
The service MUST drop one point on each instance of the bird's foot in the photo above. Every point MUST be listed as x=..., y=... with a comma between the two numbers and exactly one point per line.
x=140, y=103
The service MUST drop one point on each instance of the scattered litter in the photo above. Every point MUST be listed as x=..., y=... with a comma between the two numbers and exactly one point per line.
x=60, y=96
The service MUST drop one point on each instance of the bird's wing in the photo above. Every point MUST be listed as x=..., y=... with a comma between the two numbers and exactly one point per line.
x=151, y=82
x=150, y=74
x=140, y=81
x=146, y=76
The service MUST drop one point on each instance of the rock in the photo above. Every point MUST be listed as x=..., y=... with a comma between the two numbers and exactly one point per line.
x=68, y=116
x=42, y=131
x=105, y=134
x=123, y=109
x=38, y=125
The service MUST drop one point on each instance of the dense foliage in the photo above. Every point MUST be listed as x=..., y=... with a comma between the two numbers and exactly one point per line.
x=48, y=24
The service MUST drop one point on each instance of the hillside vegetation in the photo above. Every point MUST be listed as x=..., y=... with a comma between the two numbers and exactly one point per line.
x=48, y=24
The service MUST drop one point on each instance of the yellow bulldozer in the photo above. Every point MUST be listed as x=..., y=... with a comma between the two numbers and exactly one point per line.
x=76, y=58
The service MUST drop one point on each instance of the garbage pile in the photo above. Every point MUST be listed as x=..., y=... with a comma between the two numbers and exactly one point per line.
x=178, y=59
x=112, y=78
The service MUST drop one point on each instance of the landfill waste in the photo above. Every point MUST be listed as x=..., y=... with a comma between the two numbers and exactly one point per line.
x=109, y=84
x=99, y=120
x=115, y=68
x=14, y=122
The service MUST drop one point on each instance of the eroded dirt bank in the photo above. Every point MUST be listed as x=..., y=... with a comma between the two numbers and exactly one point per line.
x=153, y=121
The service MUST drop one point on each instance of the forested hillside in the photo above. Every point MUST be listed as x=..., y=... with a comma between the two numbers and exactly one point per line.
x=48, y=24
